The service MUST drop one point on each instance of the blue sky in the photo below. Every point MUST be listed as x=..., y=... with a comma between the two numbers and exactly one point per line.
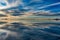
x=47, y=5
x=40, y=5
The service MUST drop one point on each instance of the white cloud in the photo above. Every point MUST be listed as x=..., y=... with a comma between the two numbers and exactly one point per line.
x=14, y=4
x=49, y=5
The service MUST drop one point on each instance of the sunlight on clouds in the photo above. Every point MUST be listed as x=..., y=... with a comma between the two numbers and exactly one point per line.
x=14, y=4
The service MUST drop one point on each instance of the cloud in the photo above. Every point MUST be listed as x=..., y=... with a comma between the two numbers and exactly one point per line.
x=49, y=5
x=9, y=5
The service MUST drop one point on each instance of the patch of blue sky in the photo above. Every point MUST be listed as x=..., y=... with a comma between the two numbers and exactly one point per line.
x=55, y=8
x=43, y=2
x=51, y=1
x=3, y=4
x=35, y=4
x=11, y=1
x=32, y=3
x=26, y=1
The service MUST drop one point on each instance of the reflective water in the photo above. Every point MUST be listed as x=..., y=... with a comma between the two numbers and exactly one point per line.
x=29, y=28
x=29, y=19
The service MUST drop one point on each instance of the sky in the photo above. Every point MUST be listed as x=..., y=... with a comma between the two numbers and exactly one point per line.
x=31, y=5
